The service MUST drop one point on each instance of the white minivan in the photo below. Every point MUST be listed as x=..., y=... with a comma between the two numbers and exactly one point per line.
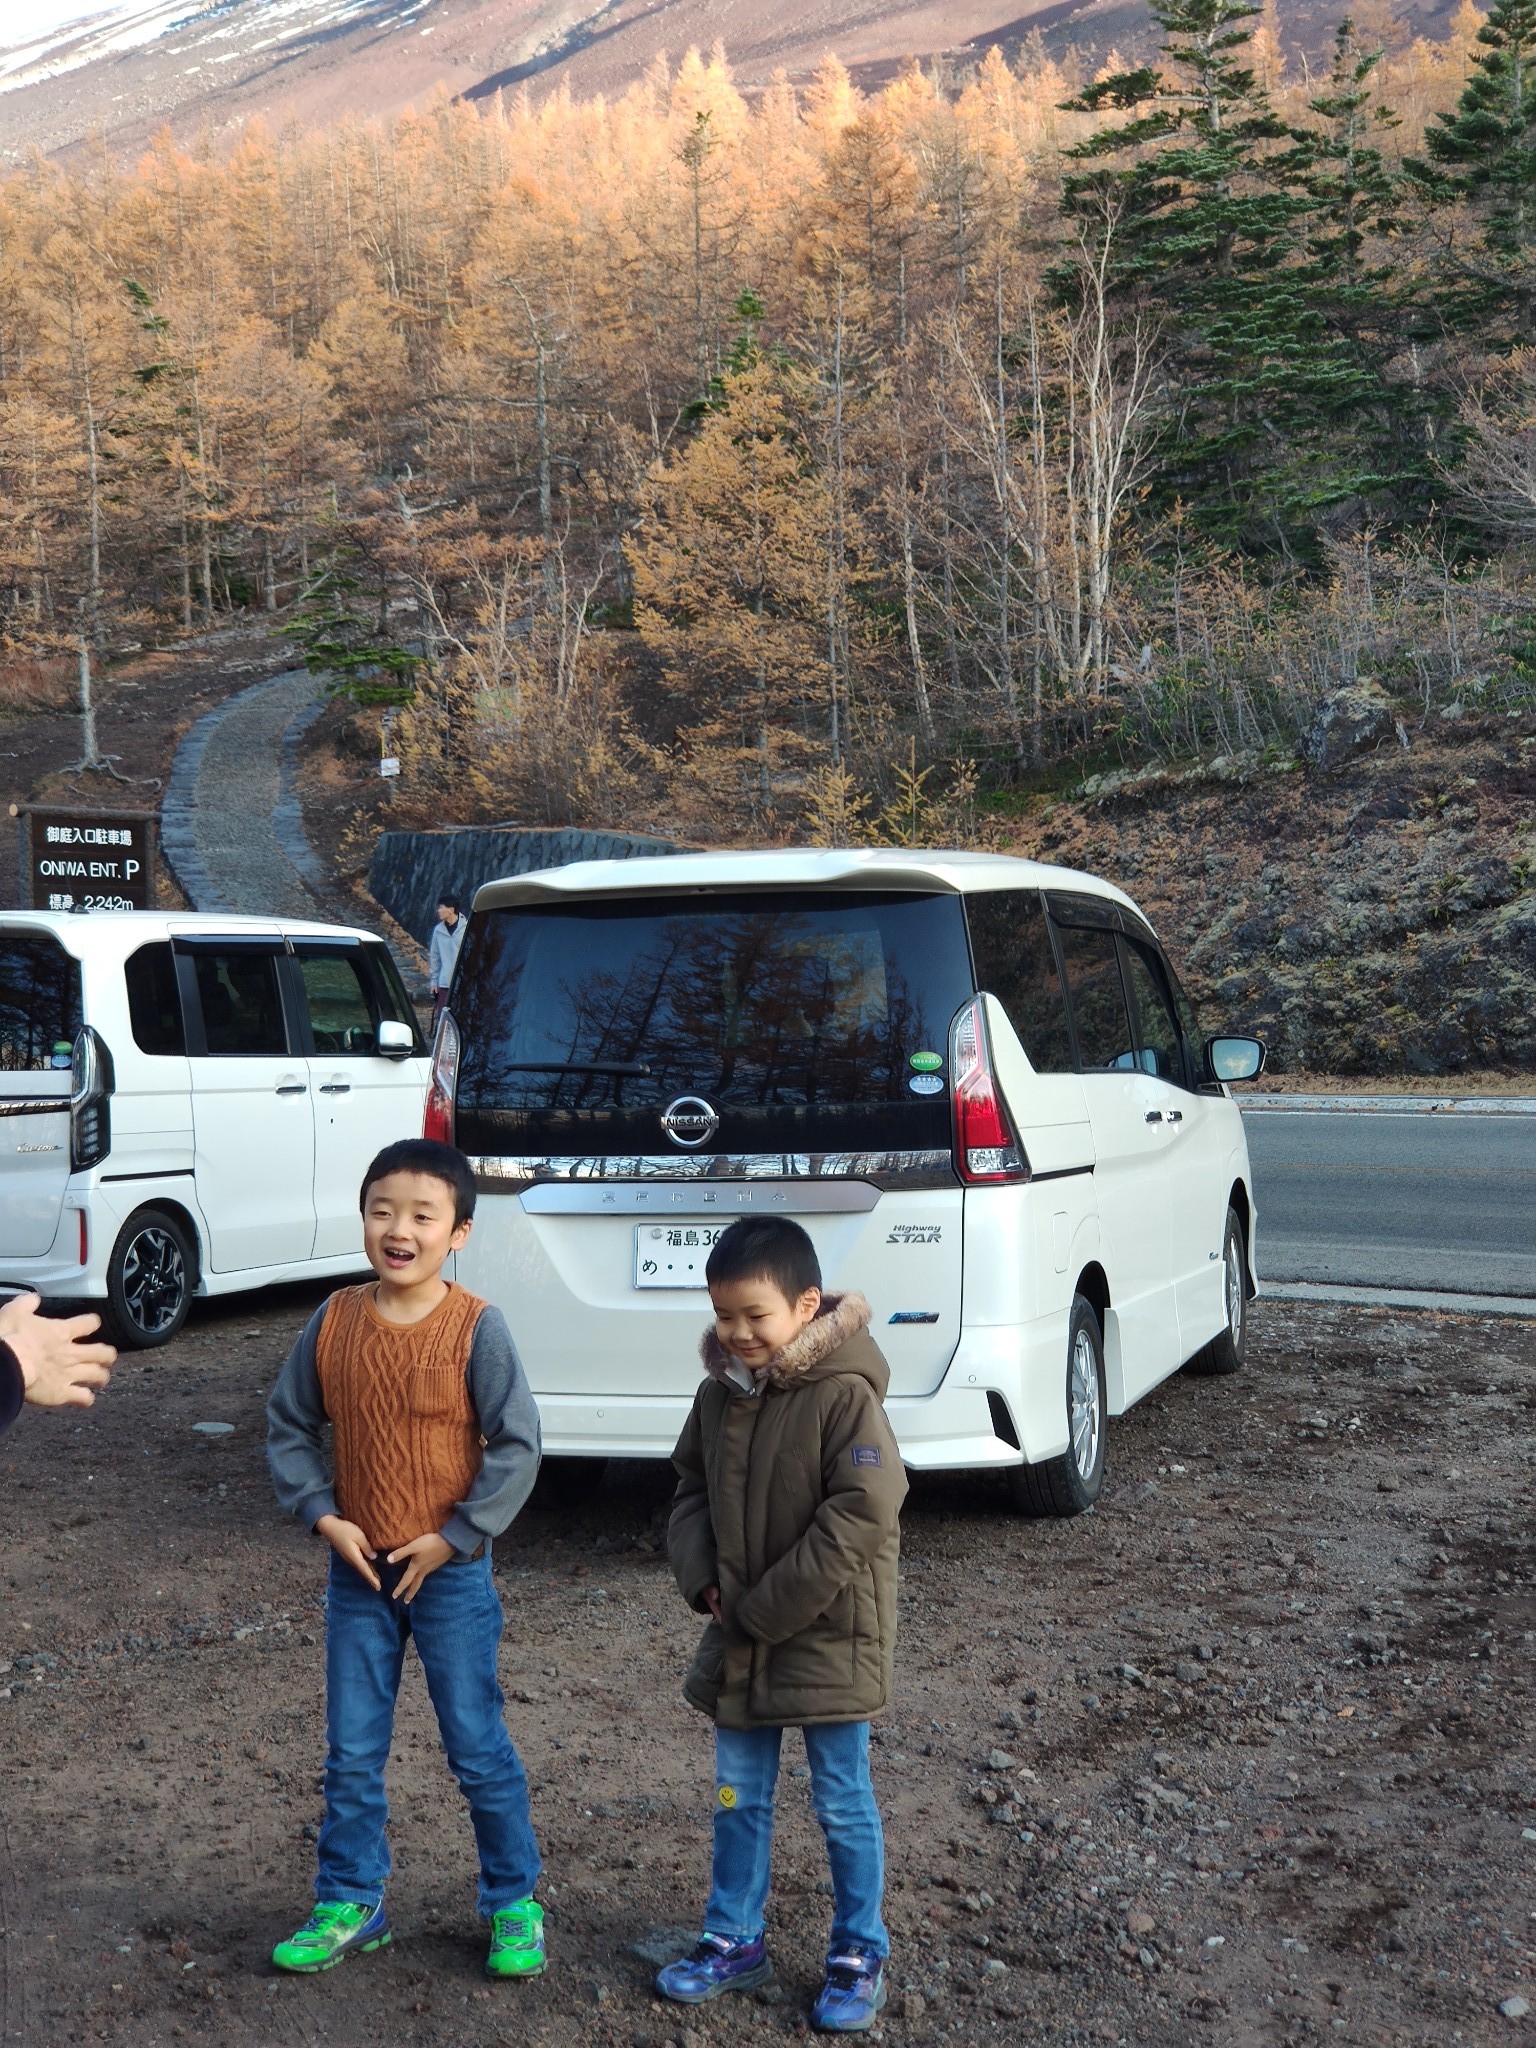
x=188, y=1103
x=974, y=1080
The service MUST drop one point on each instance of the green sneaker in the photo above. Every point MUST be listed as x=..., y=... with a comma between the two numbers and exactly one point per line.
x=328, y=1934
x=517, y=1941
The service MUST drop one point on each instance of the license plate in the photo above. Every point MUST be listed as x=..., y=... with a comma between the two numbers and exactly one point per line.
x=673, y=1254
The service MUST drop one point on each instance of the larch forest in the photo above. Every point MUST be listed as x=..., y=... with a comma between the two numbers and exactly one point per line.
x=815, y=466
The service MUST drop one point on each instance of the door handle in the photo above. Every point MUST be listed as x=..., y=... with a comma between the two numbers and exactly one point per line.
x=335, y=1087
x=1154, y=1116
x=292, y=1088
x=1175, y=1116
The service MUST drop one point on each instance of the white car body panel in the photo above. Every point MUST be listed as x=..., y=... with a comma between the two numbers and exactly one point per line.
x=209, y=1139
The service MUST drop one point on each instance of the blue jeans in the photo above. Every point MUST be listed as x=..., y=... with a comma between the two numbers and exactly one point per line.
x=455, y=1621
x=746, y=1771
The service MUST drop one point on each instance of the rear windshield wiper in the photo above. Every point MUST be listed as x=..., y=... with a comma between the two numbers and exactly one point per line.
x=576, y=1067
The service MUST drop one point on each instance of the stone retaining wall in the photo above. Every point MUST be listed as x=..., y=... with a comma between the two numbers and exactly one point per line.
x=411, y=872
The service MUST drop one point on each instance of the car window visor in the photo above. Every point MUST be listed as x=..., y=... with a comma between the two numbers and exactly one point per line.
x=212, y=942
x=1096, y=913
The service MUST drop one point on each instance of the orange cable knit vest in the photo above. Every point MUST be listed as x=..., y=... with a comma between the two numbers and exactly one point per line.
x=405, y=1437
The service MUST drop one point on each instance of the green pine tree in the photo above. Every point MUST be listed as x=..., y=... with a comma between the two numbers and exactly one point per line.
x=1353, y=210
x=1483, y=156
x=1354, y=193
x=1211, y=228
x=341, y=644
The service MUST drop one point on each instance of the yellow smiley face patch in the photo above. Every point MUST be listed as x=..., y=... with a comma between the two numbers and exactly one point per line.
x=727, y=1796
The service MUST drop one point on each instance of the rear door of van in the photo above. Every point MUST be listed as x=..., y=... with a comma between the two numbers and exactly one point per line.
x=40, y=1015
x=252, y=1113
x=637, y=1072
x=362, y=1101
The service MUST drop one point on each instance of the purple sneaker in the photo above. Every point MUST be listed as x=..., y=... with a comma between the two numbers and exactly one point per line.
x=716, y=1965
x=853, y=1993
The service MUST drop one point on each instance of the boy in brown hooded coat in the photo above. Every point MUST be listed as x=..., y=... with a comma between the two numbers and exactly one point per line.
x=785, y=1529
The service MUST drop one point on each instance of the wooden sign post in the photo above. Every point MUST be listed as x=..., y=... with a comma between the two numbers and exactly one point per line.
x=87, y=859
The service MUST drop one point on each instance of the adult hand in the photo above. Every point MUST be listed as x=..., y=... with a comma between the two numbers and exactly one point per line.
x=426, y=1553
x=59, y=1369
x=712, y=1602
x=351, y=1545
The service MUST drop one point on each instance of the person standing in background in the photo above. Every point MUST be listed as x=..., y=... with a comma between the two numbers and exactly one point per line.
x=443, y=950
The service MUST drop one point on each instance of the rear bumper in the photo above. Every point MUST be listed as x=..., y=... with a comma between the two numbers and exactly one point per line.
x=57, y=1274
x=950, y=1429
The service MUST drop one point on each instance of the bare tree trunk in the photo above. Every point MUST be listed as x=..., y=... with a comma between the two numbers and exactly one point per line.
x=186, y=541
x=92, y=474
x=90, y=751
x=1005, y=532
x=909, y=590
x=205, y=520
x=947, y=549
x=836, y=540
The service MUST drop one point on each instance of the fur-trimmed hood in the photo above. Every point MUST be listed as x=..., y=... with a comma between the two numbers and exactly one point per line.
x=825, y=1344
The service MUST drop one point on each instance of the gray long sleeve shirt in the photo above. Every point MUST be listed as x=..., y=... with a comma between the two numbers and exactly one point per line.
x=443, y=951
x=498, y=1392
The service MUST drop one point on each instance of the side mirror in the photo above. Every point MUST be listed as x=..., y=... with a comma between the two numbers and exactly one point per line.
x=1234, y=1059
x=396, y=1041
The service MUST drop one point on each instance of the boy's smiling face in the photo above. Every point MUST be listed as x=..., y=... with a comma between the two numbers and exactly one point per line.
x=409, y=1228
x=754, y=1318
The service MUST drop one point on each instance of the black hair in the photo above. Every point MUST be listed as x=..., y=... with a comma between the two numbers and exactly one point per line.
x=451, y=903
x=425, y=1155
x=766, y=1248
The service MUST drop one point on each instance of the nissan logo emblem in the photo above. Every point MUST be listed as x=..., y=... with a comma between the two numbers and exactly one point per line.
x=690, y=1121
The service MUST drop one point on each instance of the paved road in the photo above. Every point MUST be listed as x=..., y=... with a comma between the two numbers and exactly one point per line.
x=230, y=822
x=1444, y=1202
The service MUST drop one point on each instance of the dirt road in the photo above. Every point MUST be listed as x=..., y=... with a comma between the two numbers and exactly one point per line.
x=1241, y=1757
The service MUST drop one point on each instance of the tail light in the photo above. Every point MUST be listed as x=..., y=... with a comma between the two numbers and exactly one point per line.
x=987, y=1150
x=437, y=1121
x=91, y=1083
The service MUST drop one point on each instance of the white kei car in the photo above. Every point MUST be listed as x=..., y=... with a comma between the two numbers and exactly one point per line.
x=974, y=1080
x=188, y=1103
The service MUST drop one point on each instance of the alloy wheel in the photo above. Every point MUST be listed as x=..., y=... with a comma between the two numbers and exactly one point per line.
x=154, y=1281
x=1084, y=1417
x=1234, y=1289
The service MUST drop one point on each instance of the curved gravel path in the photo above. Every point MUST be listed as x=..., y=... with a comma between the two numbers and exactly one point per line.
x=230, y=821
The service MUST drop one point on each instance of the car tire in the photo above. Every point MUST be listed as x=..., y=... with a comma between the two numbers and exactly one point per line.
x=567, y=1482
x=1067, y=1485
x=151, y=1276
x=1225, y=1351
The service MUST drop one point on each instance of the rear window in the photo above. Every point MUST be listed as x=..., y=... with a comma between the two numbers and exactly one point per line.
x=809, y=1022
x=1104, y=1036
x=154, y=1001
x=242, y=1009
x=39, y=1002
x=1015, y=962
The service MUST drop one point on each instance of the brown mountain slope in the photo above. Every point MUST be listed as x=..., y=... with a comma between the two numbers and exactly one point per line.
x=216, y=66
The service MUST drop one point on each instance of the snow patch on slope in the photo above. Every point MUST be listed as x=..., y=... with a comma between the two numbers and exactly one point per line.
x=251, y=25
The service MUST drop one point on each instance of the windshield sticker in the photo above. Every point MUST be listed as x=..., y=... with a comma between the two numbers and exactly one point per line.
x=926, y=1062
x=926, y=1084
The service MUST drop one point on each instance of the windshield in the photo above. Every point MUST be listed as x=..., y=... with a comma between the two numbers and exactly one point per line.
x=795, y=1016
x=39, y=1002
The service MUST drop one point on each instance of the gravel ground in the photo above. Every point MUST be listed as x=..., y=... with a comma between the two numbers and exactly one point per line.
x=1241, y=1757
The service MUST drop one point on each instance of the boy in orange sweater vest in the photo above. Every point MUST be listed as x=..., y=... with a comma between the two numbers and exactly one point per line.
x=435, y=1447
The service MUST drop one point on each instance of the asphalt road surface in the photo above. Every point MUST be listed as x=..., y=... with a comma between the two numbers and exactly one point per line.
x=1441, y=1201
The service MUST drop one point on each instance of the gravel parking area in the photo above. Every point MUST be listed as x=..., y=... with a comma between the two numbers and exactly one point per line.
x=1241, y=1757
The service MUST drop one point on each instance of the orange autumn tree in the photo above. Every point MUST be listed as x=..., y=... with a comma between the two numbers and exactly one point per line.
x=728, y=563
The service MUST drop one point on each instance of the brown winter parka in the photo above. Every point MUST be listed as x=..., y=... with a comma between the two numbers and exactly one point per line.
x=789, y=1499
